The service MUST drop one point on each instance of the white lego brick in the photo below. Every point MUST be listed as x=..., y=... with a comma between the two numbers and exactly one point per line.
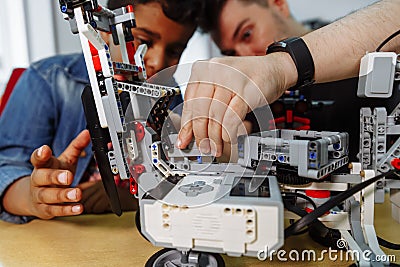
x=376, y=74
x=104, y=54
x=236, y=229
x=122, y=44
x=139, y=60
x=356, y=168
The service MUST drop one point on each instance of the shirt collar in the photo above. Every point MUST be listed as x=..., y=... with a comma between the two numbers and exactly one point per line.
x=77, y=69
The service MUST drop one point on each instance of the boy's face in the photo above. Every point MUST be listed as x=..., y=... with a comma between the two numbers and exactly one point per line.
x=165, y=38
x=246, y=29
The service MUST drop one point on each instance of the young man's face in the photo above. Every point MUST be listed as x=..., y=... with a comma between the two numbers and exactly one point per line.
x=246, y=28
x=165, y=38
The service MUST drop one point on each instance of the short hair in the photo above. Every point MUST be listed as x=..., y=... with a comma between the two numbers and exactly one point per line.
x=211, y=10
x=180, y=11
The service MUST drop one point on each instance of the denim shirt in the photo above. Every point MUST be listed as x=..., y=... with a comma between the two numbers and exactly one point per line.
x=45, y=108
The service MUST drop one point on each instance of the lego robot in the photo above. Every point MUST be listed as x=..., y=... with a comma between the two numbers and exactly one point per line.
x=196, y=208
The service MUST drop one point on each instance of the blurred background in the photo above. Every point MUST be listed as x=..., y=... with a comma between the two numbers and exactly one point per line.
x=32, y=30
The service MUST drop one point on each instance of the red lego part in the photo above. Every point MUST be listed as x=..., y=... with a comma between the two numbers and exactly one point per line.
x=130, y=49
x=136, y=171
x=95, y=57
x=130, y=9
x=93, y=49
x=308, y=210
x=301, y=120
x=318, y=193
x=289, y=116
x=279, y=120
x=305, y=127
x=396, y=163
x=290, y=119
x=96, y=63
x=133, y=186
x=139, y=131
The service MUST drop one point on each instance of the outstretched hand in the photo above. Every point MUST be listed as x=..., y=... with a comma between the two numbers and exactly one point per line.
x=46, y=193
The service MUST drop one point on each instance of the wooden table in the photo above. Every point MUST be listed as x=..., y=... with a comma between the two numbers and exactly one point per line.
x=108, y=240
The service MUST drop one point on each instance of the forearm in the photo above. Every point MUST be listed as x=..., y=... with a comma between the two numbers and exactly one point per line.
x=16, y=199
x=338, y=47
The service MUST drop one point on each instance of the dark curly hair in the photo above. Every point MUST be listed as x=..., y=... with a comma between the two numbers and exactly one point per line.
x=211, y=10
x=180, y=11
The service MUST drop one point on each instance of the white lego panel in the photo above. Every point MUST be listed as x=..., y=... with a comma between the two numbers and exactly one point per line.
x=377, y=74
x=104, y=53
x=139, y=60
x=234, y=229
x=122, y=44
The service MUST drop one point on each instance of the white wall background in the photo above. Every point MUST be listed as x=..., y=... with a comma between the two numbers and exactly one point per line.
x=31, y=30
x=13, y=38
x=325, y=9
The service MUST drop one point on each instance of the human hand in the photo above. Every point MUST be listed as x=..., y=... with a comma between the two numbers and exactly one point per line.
x=51, y=178
x=46, y=193
x=223, y=90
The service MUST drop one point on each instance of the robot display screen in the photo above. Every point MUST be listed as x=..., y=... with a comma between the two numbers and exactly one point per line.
x=241, y=188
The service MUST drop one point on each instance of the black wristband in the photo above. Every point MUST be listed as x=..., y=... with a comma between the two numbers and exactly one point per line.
x=301, y=56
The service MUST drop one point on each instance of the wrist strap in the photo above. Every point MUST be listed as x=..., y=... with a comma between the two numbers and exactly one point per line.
x=301, y=56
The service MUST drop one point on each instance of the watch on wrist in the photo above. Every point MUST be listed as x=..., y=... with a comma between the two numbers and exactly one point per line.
x=301, y=56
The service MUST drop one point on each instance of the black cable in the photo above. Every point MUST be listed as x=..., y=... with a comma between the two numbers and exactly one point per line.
x=334, y=201
x=318, y=231
x=296, y=210
x=388, y=244
x=387, y=40
x=305, y=230
x=305, y=197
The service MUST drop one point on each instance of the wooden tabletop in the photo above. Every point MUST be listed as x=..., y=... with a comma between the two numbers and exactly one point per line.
x=108, y=240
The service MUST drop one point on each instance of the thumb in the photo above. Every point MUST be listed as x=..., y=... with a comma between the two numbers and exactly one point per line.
x=71, y=154
x=43, y=158
x=185, y=136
